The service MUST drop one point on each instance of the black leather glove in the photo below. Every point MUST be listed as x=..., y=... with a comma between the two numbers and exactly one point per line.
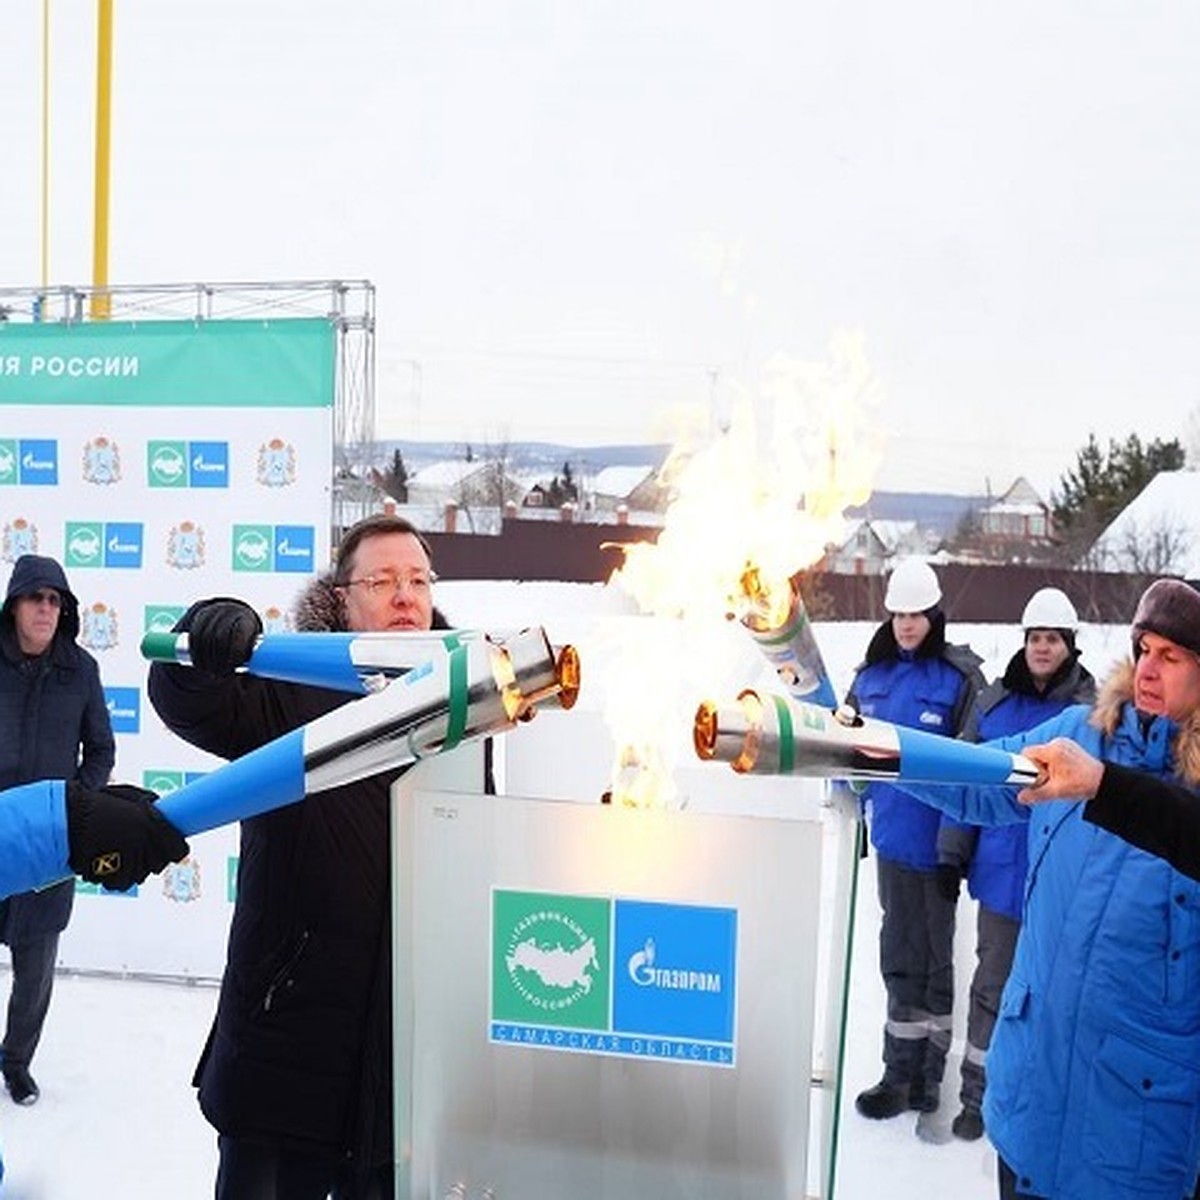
x=117, y=836
x=221, y=635
x=949, y=881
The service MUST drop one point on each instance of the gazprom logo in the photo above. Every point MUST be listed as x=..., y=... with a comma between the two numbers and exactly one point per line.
x=178, y=464
x=29, y=461
x=124, y=708
x=117, y=544
x=265, y=548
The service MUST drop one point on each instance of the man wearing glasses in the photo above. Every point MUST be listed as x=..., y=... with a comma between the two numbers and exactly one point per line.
x=296, y=1076
x=54, y=724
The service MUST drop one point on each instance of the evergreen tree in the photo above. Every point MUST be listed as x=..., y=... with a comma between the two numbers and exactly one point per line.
x=1102, y=483
x=394, y=480
x=569, y=490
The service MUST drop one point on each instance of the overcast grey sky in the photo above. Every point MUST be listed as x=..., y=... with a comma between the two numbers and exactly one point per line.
x=581, y=215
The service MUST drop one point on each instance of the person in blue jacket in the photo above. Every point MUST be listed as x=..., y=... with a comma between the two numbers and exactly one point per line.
x=1093, y=1074
x=113, y=836
x=1040, y=680
x=911, y=676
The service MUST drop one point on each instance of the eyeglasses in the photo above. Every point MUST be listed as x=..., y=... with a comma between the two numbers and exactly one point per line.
x=45, y=596
x=378, y=585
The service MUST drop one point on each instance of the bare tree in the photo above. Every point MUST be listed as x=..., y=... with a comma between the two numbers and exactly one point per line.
x=1160, y=548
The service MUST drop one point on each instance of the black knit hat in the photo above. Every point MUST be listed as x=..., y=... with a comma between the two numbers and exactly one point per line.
x=1170, y=608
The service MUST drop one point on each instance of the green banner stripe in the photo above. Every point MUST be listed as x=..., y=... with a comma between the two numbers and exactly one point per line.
x=456, y=721
x=787, y=743
x=284, y=363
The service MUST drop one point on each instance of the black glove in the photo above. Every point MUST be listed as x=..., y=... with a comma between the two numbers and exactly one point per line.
x=221, y=635
x=949, y=881
x=117, y=836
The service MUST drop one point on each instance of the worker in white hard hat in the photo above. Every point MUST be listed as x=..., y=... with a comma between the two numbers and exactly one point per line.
x=911, y=676
x=1041, y=679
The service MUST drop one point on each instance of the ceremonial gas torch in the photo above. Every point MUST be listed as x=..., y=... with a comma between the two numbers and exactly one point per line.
x=779, y=624
x=480, y=687
x=346, y=662
x=776, y=735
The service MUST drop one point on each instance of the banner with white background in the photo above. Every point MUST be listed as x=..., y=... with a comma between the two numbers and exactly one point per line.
x=162, y=462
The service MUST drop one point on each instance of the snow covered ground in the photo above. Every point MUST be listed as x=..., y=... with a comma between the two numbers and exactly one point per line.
x=118, y=1115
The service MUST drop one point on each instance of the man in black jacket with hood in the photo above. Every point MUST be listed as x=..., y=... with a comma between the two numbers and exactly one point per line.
x=296, y=1076
x=54, y=724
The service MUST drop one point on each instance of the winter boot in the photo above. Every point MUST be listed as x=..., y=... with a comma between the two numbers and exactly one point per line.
x=968, y=1125
x=923, y=1096
x=20, y=1084
x=886, y=1099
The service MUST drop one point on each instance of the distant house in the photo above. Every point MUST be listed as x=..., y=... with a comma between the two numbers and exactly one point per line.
x=1019, y=515
x=1158, y=531
x=475, y=484
x=635, y=489
x=871, y=546
x=1016, y=528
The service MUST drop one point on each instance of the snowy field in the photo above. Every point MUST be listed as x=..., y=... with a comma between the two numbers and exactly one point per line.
x=118, y=1117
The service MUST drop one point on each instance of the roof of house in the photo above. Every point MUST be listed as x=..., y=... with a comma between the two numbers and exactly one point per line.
x=447, y=474
x=1169, y=505
x=620, y=482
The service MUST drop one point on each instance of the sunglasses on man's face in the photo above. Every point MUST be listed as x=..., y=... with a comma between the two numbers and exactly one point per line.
x=45, y=596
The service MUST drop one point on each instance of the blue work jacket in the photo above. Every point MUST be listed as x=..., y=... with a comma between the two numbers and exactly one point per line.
x=1094, y=1066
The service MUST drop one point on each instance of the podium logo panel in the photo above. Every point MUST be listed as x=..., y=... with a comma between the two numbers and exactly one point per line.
x=550, y=959
x=614, y=976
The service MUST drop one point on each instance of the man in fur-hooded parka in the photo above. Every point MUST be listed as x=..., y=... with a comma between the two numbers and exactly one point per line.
x=1094, y=1066
x=299, y=1056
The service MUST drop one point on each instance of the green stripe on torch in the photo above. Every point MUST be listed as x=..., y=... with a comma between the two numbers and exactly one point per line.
x=787, y=742
x=456, y=719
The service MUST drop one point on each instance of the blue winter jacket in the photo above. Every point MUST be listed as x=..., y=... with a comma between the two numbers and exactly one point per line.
x=996, y=857
x=33, y=836
x=931, y=694
x=1094, y=1066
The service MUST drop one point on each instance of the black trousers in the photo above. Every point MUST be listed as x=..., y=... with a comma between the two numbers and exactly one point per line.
x=29, y=1001
x=250, y=1170
x=916, y=959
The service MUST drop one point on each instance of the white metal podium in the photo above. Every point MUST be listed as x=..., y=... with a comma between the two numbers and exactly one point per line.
x=610, y=1003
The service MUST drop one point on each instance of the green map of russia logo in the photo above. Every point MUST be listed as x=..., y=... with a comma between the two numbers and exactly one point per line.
x=551, y=959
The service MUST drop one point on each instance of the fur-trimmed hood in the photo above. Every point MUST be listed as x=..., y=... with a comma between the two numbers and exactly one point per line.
x=319, y=608
x=1116, y=691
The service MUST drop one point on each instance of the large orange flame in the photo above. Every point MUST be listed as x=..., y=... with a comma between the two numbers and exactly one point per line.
x=751, y=504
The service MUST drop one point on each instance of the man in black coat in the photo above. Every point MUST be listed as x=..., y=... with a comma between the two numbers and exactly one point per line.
x=54, y=724
x=296, y=1075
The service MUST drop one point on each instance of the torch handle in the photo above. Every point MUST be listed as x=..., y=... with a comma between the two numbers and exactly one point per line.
x=266, y=778
x=357, y=663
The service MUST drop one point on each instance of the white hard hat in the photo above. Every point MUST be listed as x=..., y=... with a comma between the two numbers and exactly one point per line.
x=912, y=587
x=1049, y=608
